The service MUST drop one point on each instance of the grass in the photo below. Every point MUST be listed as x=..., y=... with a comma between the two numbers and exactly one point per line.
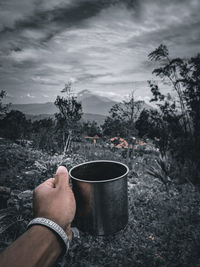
x=163, y=227
x=163, y=230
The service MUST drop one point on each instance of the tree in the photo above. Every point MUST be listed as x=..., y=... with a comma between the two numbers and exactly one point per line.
x=190, y=80
x=69, y=115
x=122, y=119
x=180, y=115
x=3, y=108
x=152, y=125
x=113, y=126
x=14, y=125
x=43, y=135
x=142, y=124
x=91, y=128
x=170, y=71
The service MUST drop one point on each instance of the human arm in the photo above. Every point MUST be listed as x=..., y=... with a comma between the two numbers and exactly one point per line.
x=39, y=246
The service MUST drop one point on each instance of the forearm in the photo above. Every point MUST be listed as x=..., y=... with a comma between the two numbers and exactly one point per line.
x=39, y=247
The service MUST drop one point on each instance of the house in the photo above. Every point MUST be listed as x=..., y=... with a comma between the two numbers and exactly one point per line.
x=92, y=138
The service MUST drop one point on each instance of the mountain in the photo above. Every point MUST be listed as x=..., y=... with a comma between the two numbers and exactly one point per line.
x=36, y=108
x=94, y=117
x=95, y=107
x=91, y=103
x=94, y=104
x=82, y=95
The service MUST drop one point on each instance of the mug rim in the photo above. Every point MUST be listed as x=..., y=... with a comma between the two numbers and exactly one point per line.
x=100, y=181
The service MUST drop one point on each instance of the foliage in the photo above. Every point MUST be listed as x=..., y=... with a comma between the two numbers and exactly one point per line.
x=91, y=128
x=163, y=228
x=23, y=168
x=142, y=124
x=14, y=125
x=175, y=125
x=3, y=108
x=49, y=135
x=159, y=232
x=14, y=219
x=151, y=124
x=113, y=126
x=44, y=135
x=161, y=170
x=70, y=113
x=121, y=121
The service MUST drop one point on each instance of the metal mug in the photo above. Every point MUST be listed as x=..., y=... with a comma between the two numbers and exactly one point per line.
x=100, y=189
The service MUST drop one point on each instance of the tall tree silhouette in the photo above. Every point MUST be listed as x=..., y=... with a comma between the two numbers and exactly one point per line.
x=3, y=108
x=69, y=115
x=122, y=119
x=180, y=114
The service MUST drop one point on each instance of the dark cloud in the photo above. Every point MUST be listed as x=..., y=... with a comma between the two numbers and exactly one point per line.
x=100, y=45
x=65, y=16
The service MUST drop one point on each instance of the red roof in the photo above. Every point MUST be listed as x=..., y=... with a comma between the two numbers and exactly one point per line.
x=92, y=137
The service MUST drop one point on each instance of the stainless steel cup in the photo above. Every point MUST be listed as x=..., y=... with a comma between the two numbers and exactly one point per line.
x=100, y=189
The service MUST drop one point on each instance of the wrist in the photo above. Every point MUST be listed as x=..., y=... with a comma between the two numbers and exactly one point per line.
x=51, y=239
x=48, y=242
x=55, y=228
x=38, y=246
x=65, y=226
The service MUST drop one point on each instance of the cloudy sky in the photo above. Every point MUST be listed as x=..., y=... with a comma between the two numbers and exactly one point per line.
x=100, y=45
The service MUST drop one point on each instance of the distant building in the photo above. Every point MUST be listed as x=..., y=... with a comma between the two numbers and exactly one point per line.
x=92, y=138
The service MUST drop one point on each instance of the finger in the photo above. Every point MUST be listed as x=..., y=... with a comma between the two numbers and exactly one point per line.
x=62, y=177
x=49, y=182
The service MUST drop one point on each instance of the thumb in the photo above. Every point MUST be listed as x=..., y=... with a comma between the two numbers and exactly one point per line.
x=62, y=178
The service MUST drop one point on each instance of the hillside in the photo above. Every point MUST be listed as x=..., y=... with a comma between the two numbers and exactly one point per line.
x=86, y=117
x=91, y=103
x=94, y=104
x=36, y=108
x=95, y=107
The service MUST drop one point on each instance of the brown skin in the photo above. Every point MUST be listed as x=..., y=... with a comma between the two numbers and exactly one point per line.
x=39, y=246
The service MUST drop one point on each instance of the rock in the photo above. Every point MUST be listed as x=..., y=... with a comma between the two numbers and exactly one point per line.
x=15, y=193
x=130, y=186
x=4, y=190
x=26, y=195
x=31, y=173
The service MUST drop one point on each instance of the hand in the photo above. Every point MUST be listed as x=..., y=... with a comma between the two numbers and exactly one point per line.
x=55, y=200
